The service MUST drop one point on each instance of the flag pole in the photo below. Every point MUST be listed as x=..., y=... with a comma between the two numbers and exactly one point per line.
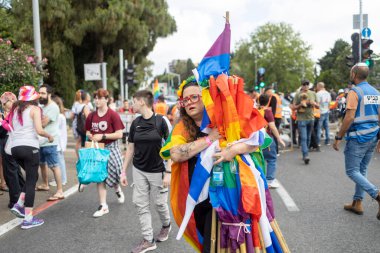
x=227, y=17
x=213, y=231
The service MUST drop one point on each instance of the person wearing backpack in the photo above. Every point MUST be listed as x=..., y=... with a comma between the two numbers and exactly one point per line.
x=79, y=113
x=150, y=177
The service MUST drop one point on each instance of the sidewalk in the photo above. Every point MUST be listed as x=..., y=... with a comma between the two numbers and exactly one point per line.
x=41, y=196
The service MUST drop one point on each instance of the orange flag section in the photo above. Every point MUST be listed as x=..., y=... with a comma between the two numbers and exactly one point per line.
x=230, y=109
x=249, y=192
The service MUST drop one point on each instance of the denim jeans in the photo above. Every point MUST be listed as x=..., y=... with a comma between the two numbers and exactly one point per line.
x=305, y=127
x=357, y=157
x=324, y=123
x=270, y=156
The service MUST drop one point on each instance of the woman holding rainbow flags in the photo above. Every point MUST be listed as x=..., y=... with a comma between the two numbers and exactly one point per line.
x=186, y=142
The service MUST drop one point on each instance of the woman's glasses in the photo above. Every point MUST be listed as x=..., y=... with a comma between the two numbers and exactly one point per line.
x=189, y=100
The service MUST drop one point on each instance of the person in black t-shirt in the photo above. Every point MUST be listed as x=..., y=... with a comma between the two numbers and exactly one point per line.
x=149, y=174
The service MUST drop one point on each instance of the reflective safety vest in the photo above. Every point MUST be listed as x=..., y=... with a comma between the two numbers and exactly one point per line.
x=317, y=113
x=278, y=112
x=161, y=108
x=366, y=121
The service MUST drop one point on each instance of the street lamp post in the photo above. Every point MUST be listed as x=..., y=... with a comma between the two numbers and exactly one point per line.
x=37, y=34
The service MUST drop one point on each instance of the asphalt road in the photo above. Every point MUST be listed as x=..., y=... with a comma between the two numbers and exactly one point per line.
x=321, y=225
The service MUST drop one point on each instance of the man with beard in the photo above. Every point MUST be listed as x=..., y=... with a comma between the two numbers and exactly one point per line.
x=48, y=150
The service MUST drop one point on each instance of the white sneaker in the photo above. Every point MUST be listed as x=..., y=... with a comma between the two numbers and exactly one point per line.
x=120, y=196
x=53, y=183
x=101, y=211
x=273, y=184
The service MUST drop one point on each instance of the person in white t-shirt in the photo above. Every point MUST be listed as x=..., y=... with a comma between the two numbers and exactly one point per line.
x=62, y=143
x=323, y=99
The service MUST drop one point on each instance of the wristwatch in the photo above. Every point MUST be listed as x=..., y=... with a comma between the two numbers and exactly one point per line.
x=338, y=138
x=104, y=137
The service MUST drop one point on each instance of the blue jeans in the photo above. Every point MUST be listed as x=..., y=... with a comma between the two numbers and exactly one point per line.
x=357, y=157
x=305, y=127
x=62, y=166
x=270, y=156
x=324, y=123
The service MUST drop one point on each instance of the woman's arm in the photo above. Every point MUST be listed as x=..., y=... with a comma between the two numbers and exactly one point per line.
x=35, y=114
x=186, y=151
x=228, y=153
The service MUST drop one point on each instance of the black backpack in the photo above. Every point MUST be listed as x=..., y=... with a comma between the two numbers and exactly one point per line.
x=81, y=122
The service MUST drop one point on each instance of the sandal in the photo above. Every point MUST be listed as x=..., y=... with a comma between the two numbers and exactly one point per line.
x=55, y=197
x=41, y=188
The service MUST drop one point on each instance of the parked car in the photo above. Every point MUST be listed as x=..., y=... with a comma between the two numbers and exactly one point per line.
x=286, y=113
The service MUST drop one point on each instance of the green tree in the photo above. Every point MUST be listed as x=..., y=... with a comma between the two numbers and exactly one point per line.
x=18, y=67
x=88, y=31
x=334, y=71
x=278, y=49
x=182, y=67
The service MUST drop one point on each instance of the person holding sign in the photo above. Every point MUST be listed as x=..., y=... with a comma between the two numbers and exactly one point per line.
x=361, y=127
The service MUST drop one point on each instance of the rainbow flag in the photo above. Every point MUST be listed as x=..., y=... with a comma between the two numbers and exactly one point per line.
x=156, y=90
x=217, y=59
x=180, y=185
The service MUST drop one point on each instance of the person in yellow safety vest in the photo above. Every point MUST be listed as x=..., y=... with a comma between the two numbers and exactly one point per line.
x=275, y=104
x=161, y=107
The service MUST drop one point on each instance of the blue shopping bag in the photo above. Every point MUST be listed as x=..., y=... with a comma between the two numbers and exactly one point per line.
x=92, y=165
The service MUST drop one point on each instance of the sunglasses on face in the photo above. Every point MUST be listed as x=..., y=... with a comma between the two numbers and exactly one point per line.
x=304, y=84
x=189, y=100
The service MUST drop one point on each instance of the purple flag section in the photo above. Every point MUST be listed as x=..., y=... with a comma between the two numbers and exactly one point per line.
x=217, y=59
x=222, y=44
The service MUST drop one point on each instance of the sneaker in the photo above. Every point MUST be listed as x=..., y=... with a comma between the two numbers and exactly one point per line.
x=35, y=222
x=306, y=160
x=101, y=211
x=273, y=184
x=145, y=246
x=18, y=211
x=53, y=183
x=120, y=196
x=164, y=234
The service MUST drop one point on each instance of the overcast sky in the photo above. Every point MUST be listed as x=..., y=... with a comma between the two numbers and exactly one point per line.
x=320, y=23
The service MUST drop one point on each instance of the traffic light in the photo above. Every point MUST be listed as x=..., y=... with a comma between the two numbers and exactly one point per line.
x=130, y=75
x=260, y=77
x=367, y=52
x=354, y=57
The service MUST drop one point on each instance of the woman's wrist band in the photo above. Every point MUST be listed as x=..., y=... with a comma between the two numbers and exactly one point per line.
x=208, y=140
x=169, y=172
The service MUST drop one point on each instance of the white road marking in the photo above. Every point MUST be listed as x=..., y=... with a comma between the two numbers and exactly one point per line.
x=6, y=227
x=288, y=201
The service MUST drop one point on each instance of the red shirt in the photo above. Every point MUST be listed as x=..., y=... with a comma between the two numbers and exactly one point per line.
x=108, y=124
x=268, y=116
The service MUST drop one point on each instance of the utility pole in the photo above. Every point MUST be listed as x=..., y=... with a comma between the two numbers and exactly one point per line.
x=361, y=29
x=121, y=67
x=37, y=34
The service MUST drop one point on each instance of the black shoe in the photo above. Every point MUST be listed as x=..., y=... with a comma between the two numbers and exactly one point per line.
x=306, y=160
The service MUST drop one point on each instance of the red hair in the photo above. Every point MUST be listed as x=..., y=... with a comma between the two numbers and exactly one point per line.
x=101, y=93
